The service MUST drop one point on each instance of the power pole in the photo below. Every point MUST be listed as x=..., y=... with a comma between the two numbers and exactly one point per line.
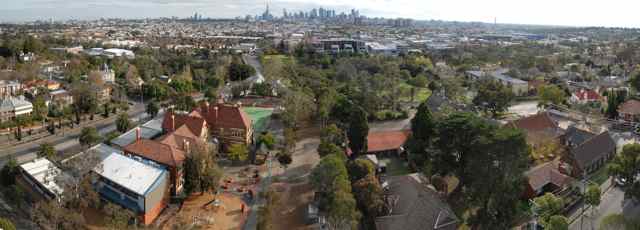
x=584, y=185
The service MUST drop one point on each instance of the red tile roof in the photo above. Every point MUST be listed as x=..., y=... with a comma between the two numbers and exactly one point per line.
x=546, y=174
x=630, y=107
x=180, y=138
x=587, y=95
x=536, y=123
x=159, y=152
x=227, y=116
x=385, y=141
x=195, y=123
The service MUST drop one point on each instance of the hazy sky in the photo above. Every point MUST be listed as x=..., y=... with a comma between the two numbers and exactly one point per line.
x=622, y=13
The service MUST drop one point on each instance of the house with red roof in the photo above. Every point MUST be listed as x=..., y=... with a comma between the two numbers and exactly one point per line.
x=583, y=96
x=385, y=142
x=539, y=128
x=187, y=124
x=629, y=110
x=545, y=178
x=227, y=122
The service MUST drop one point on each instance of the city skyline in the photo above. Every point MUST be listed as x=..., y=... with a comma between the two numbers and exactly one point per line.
x=544, y=12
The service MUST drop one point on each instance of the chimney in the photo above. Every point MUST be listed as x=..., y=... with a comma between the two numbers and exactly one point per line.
x=173, y=122
x=206, y=107
x=187, y=149
x=215, y=111
x=137, y=133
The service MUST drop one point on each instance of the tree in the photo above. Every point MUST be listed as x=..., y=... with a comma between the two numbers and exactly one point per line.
x=325, y=174
x=40, y=109
x=360, y=168
x=238, y=152
x=358, y=131
x=423, y=131
x=267, y=139
x=284, y=159
x=6, y=224
x=116, y=216
x=239, y=71
x=325, y=148
x=184, y=103
x=153, y=108
x=201, y=173
x=46, y=150
x=547, y=206
x=182, y=86
x=331, y=139
x=9, y=172
x=493, y=97
x=592, y=195
x=89, y=136
x=558, y=222
x=84, y=100
x=330, y=180
x=123, y=123
x=419, y=81
x=53, y=215
x=618, y=222
x=369, y=196
x=297, y=108
x=635, y=81
x=343, y=213
x=289, y=140
x=625, y=166
x=460, y=136
x=500, y=160
x=550, y=94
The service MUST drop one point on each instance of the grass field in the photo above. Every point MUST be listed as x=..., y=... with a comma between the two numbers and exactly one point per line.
x=421, y=94
x=259, y=116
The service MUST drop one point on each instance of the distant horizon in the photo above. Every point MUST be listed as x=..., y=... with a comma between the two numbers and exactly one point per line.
x=569, y=13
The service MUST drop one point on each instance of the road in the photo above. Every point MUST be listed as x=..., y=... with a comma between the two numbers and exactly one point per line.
x=26, y=152
x=612, y=203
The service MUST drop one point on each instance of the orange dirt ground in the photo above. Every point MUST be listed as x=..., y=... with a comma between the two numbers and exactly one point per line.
x=228, y=216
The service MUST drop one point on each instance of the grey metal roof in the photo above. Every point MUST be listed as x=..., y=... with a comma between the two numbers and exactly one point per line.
x=13, y=103
x=130, y=136
x=593, y=149
x=416, y=206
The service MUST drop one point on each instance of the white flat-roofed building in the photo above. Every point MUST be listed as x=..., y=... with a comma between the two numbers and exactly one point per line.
x=40, y=174
x=377, y=48
x=133, y=184
x=111, y=53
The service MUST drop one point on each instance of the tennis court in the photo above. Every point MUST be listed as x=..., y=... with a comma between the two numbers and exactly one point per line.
x=259, y=116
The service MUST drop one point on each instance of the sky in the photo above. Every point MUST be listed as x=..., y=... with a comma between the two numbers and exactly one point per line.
x=610, y=13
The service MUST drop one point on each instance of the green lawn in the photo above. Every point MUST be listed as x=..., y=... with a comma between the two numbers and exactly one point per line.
x=599, y=176
x=421, y=94
x=259, y=116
